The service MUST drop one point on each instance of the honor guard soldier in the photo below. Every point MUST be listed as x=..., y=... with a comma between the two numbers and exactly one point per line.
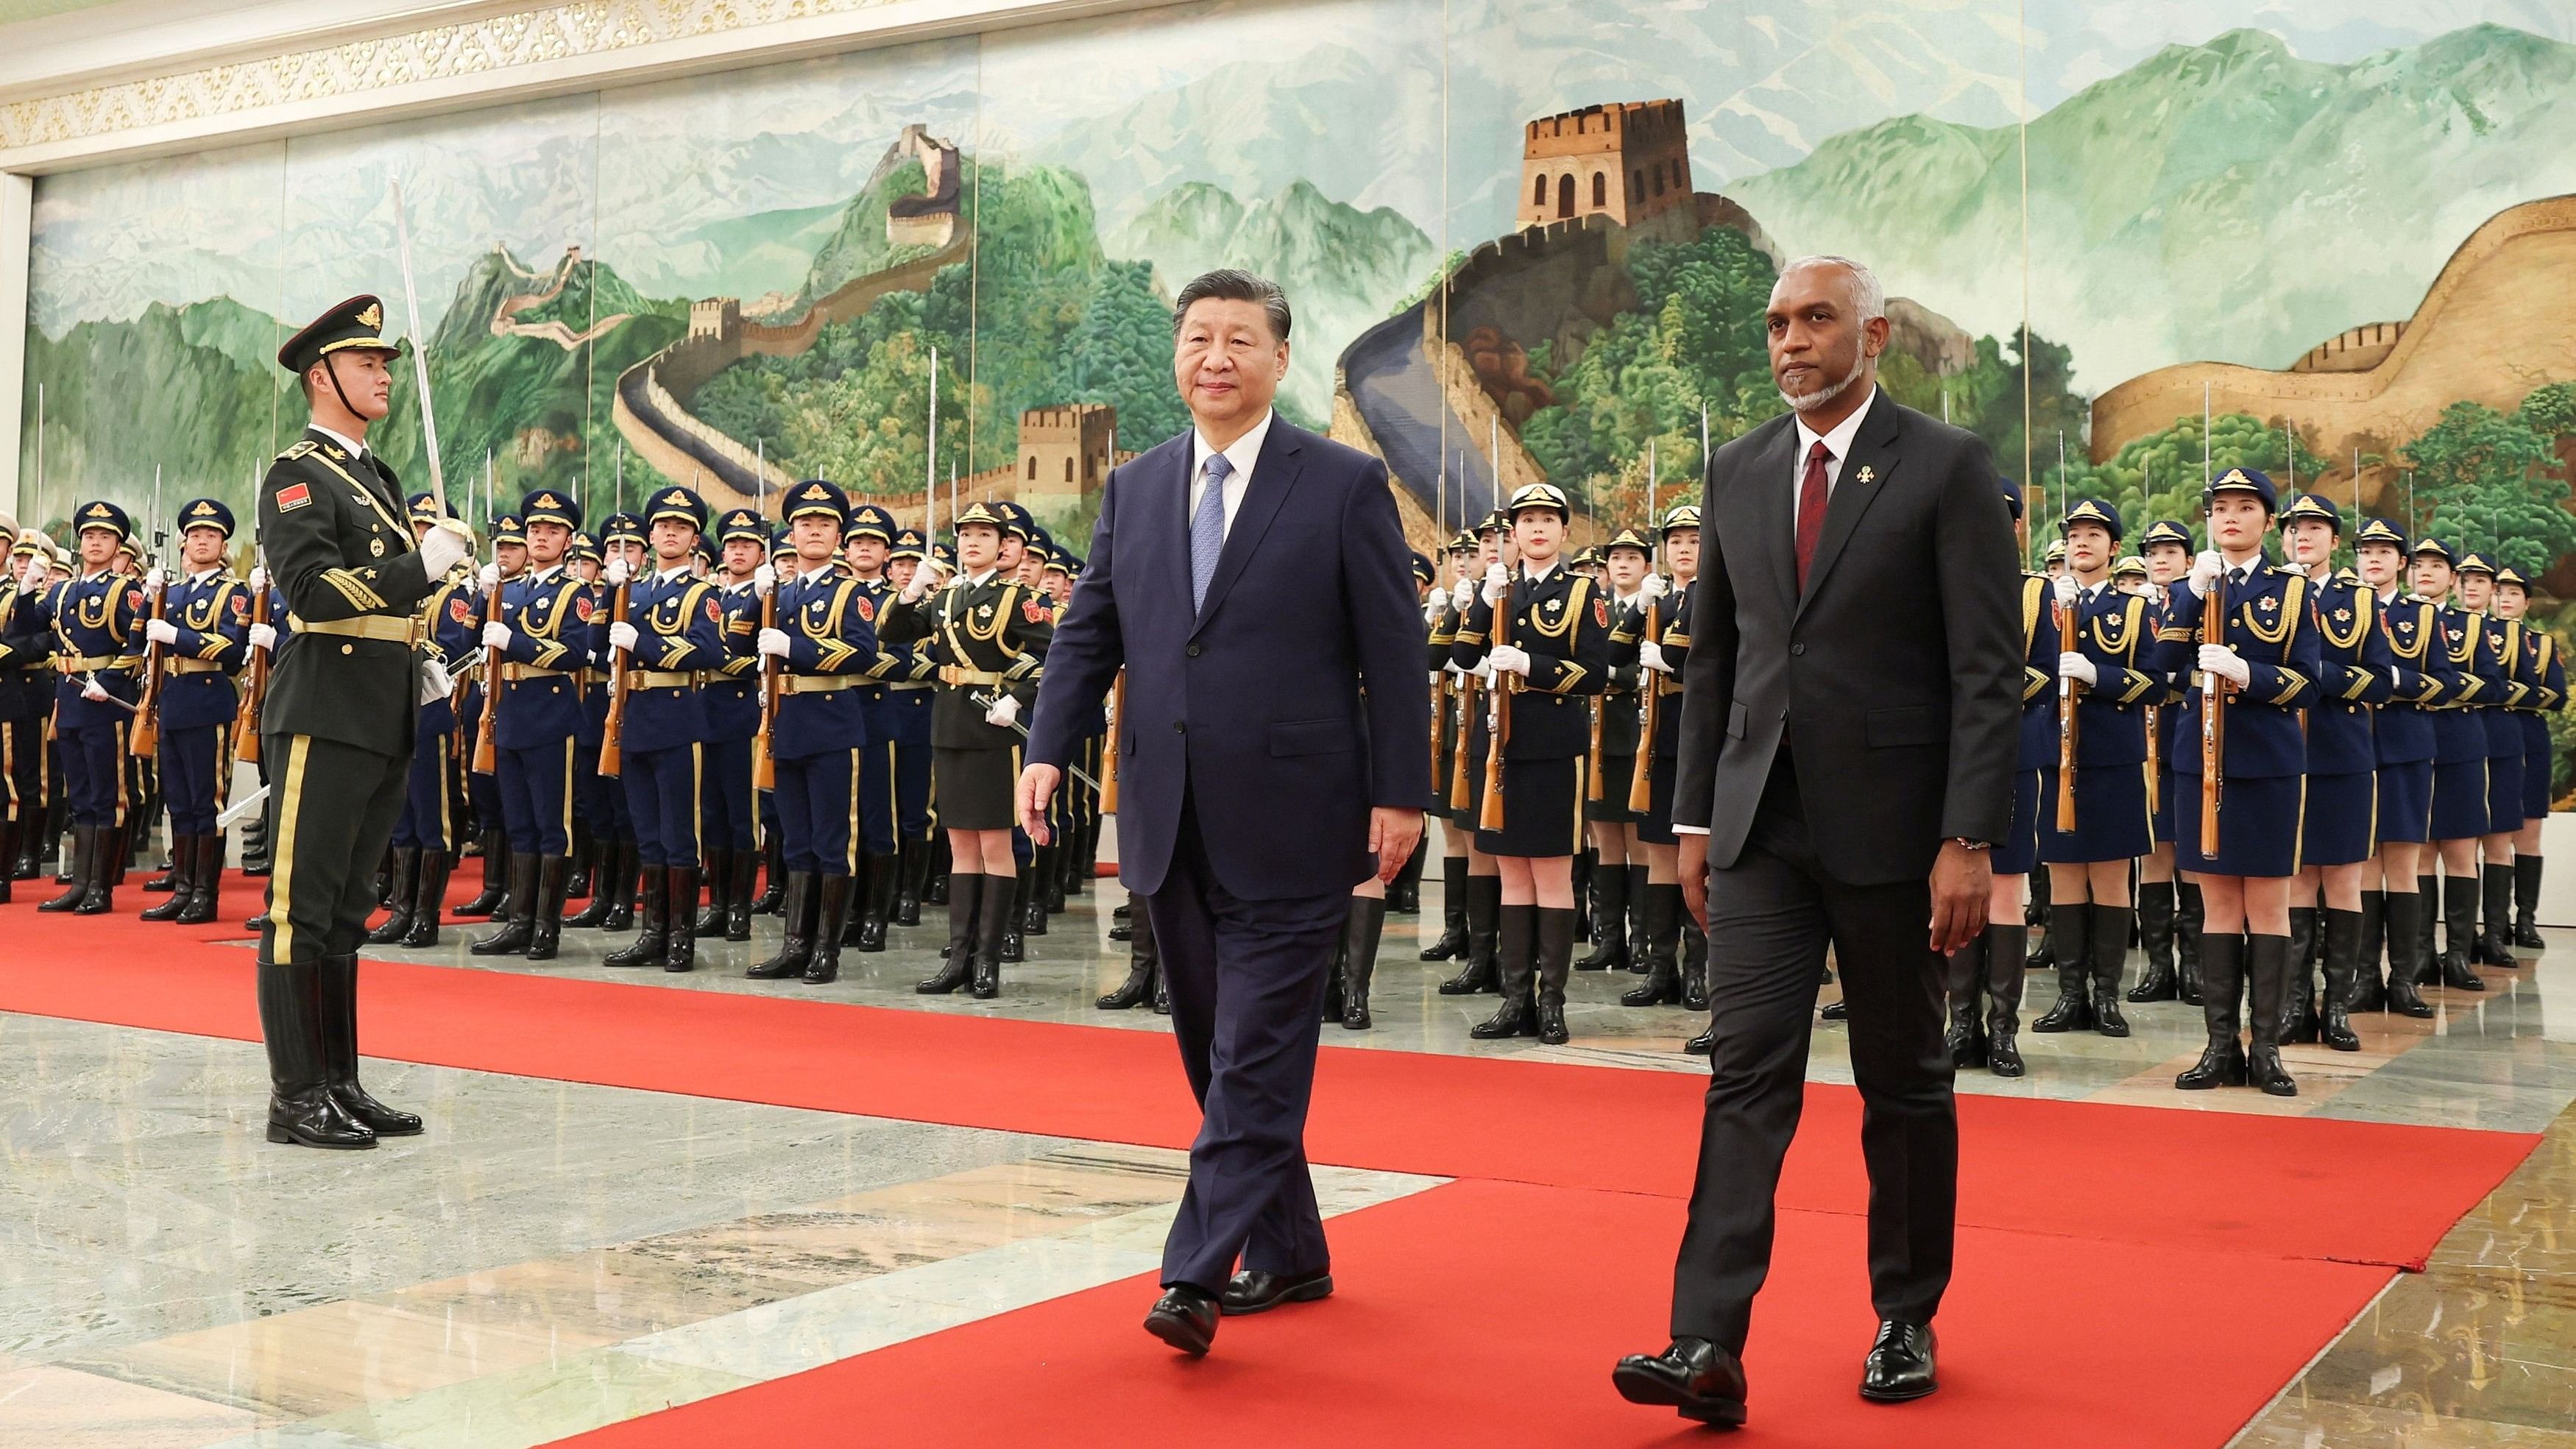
x=909, y=690
x=866, y=545
x=97, y=625
x=1440, y=616
x=2403, y=744
x=2264, y=675
x=26, y=697
x=2500, y=652
x=2168, y=906
x=204, y=633
x=2470, y=678
x=483, y=790
x=2339, y=835
x=1628, y=564
x=1668, y=929
x=1484, y=880
x=2088, y=863
x=599, y=802
x=426, y=838
x=1543, y=634
x=988, y=634
x=672, y=634
x=337, y=723
x=542, y=636
x=728, y=818
x=2544, y=678
x=824, y=642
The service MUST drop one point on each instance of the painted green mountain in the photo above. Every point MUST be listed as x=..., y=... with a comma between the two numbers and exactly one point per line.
x=2180, y=209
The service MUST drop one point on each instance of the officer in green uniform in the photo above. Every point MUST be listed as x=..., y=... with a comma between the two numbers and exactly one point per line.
x=338, y=721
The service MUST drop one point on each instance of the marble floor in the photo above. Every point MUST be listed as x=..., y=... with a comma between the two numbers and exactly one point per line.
x=575, y=1255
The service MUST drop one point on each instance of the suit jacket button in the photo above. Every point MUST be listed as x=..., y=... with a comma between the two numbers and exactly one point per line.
x=1179, y=728
x=1797, y=648
x=1194, y=651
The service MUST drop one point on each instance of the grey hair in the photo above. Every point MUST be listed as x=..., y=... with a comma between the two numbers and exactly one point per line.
x=1232, y=284
x=1868, y=298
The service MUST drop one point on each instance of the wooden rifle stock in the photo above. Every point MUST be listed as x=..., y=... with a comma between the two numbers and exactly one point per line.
x=764, y=767
x=487, y=753
x=2213, y=715
x=1458, y=782
x=1109, y=746
x=145, y=739
x=1641, y=783
x=2068, y=623
x=612, y=731
x=254, y=692
x=2153, y=721
x=1491, y=816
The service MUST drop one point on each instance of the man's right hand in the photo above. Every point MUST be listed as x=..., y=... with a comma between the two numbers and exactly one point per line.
x=1691, y=853
x=1037, y=787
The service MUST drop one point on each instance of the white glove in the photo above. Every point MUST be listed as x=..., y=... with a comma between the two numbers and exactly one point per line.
x=488, y=577
x=621, y=637
x=1484, y=671
x=2205, y=571
x=1497, y=578
x=764, y=579
x=1653, y=587
x=32, y=577
x=773, y=642
x=160, y=631
x=920, y=585
x=259, y=579
x=1004, y=710
x=92, y=690
x=435, y=682
x=2067, y=590
x=496, y=635
x=1650, y=655
x=1431, y=608
x=154, y=581
x=2073, y=665
x=444, y=547
x=1454, y=671
x=617, y=573
x=263, y=636
x=2220, y=660
x=1508, y=660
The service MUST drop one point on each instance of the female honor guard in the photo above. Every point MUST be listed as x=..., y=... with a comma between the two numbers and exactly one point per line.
x=2263, y=675
x=1440, y=614
x=204, y=634
x=2544, y=676
x=2088, y=865
x=2459, y=769
x=97, y=622
x=2403, y=738
x=910, y=687
x=542, y=633
x=425, y=836
x=824, y=642
x=2353, y=678
x=1627, y=565
x=728, y=816
x=26, y=698
x=2168, y=906
x=1550, y=648
x=672, y=633
x=989, y=635
x=2500, y=655
x=1665, y=927
x=1484, y=884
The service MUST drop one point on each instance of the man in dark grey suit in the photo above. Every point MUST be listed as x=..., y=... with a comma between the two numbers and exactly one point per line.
x=1847, y=743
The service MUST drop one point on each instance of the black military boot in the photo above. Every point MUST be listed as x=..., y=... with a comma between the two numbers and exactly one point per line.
x=1453, y=911
x=1361, y=931
x=2043, y=952
x=255, y=845
x=2066, y=936
x=1031, y=892
x=993, y=938
x=1964, y=983
x=1694, y=961
x=2405, y=955
x=1636, y=886
x=1484, y=910
x=1050, y=887
x=1142, y=957
x=183, y=871
x=428, y=899
x=2107, y=934
x=2267, y=962
x=2369, y=992
x=911, y=874
x=30, y=860
x=2298, y=1013
x=83, y=861
x=1579, y=871
x=2526, y=903
x=585, y=860
x=608, y=874
x=1609, y=920
x=2003, y=998
x=337, y=981
x=680, y=948
x=943, y=866
x=546, y=931
x=1555, y=955
x=772, y=897
x=745, y=869
x=100, y=898
x=1332, y=1006
x=2430, y=888
x=521, y=925
x=2188, y=916
x=2156, y=938
x=623, y=886
x=965, y=903
x=171, y=875
x=1663, y=983
x=710, y=924
x=496, y=877
x=2495, y=914
x=1516, y=962
x=655, y=937
x=1404, y=895
x=832, y=919
x=2343, y=957
x=406, y=890
x=2222, y=976
x=882, y=880
x=1014, y=905
x=302, y=1109
x=205, y=883
x=798, y=900
x=2459, y=929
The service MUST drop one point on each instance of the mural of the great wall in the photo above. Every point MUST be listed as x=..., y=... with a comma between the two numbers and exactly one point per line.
x=2357, y=250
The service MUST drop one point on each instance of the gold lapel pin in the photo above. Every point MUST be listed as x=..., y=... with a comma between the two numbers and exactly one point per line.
x=1868, y=474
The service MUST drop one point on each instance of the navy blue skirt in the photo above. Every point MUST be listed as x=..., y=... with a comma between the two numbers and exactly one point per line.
x=2406, y=802
x=2538, y=763
x=2018, y=851
x=2258, y=827
x=2111, y=817
x=2340, y=828
x=1655, y=827
x=2460, y=800
x=2504, y=793
x=1542, y=809
x=1617, y=773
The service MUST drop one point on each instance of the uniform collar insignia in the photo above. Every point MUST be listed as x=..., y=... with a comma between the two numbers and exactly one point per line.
x=334, y=450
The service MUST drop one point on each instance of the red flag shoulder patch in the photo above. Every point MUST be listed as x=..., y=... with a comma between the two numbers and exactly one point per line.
x=293, y=496
x=715, y=611
x=457, y=609
x=1601, y=613
x=583, y=606
x=241, y=608
x=867, y=608
x=1034, y=612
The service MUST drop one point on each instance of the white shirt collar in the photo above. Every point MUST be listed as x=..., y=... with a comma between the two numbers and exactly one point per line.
x=356, y=448
x=1538, y=573
x=1243, y=452
x=1839, y=441
x=977, y=581
x=208, y=572
x=664, y=576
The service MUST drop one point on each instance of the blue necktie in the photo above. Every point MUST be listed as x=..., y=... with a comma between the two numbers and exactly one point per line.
x=1207, y=529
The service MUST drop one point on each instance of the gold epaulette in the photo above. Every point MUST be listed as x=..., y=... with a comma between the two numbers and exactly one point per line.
x=299, y=450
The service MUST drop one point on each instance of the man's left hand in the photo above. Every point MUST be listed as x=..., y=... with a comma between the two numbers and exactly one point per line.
x=1037, y=787
x=1962, y=879
x=1393, y=832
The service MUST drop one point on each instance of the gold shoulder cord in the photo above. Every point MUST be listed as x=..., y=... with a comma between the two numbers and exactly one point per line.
x=2351, y=636
x=2293, y=599
x=1576, y=600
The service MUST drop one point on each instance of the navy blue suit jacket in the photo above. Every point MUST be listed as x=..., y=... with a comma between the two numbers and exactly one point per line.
x=1253, y=705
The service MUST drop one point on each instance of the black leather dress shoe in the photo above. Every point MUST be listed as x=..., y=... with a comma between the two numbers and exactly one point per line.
x=1694, y=1377
x=1899, y=1366
x=1184, y=1317
x=1836, y=1010
x=1253, y=1291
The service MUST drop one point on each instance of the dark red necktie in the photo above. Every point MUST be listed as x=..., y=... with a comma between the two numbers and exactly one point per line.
x=1811, y=508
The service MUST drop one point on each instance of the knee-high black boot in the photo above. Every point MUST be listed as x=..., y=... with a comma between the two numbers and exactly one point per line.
x=545, y=933
x=746, y=870
x=655, y=937
x=1138, y=988
x=833, y=916
x=2298, y=1013
x=1404, y=895
x=965, y=900
x=1579, y=870
x=2343, y=958
x=1964, y=982
x=994, y=939
x=1555, y=929
x=1663, y=983
x=520, y=911
x=106, y=870
x=1694, y=962
x=2406, y=954
x=429, y=899
x=1032, y=890
x=301, y=1107
x=680, y=943
x=772, y=897
x=2267, y=962
x=1638, y=878
x=337, y=984
x=1360, y=934
x=183, y=877
x=2107, y=934
x=1484, y=905
x=205, y=884
x=883, y=876
x=2042, y=913
x=2074, y=1010
x=83, y=862
x=496, y=877
x=2495, y=914
x=2429, y=888
x=406, y=894
x=1609, y=920
x=1453, y=911
x=2526, y=903
x=2156, y=937
x=2222, y=973
x=622, y=889
x=2188, y=916
x=797, y=902
x=1515, y=961
x=2459, y=927
x=719, y=878
x=2369, y=992
x=911, y=874
x=2003, y=997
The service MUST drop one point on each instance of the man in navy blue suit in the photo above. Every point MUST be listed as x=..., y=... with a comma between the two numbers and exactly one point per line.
x=1250, y=576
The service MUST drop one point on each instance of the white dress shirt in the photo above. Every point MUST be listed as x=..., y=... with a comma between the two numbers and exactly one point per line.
x=1838, y=444
x=1242, y=453
x=356, y=448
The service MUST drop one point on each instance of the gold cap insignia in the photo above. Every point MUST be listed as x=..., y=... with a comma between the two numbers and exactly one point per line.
x=98, y=510
x=373, y=317
x=677, y=499
x=2233, y=475
x=547, y=500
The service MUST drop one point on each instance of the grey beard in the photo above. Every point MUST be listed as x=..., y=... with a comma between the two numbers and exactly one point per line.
x=1808, y=402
